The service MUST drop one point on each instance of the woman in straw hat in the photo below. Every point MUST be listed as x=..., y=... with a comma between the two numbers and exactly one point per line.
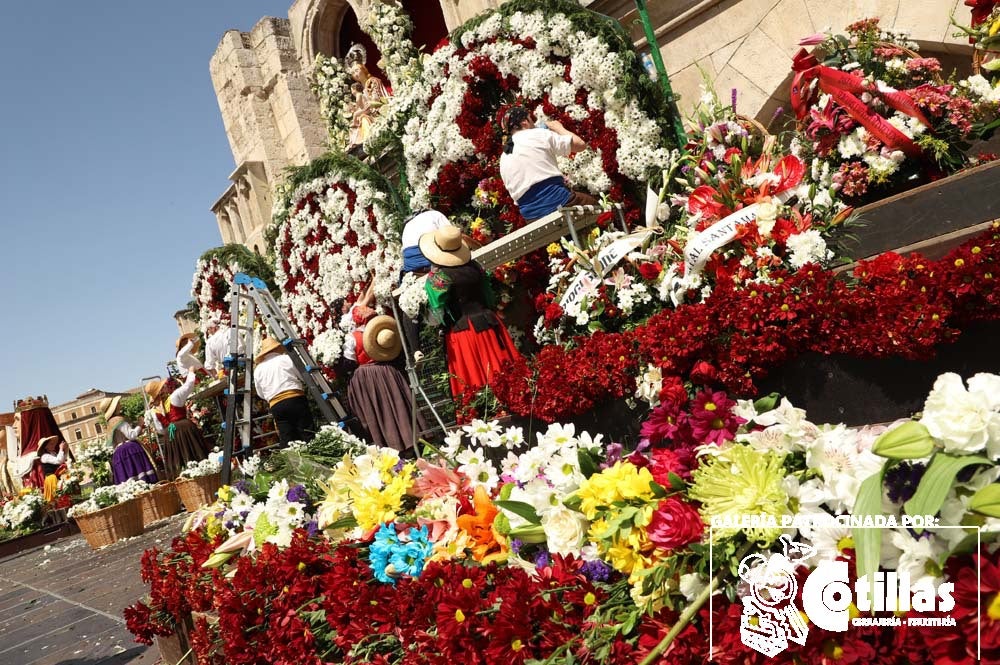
x=53, y=453
x=129, y=460
x=188, y=346
x=377, y=393
x=184, y=442
x=277, y=381
x=459, y=296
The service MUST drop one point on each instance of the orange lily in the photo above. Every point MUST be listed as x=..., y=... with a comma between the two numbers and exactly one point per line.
x=488, y=545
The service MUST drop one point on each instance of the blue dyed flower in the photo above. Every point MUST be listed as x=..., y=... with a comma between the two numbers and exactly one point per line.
x=394, y=554
x=596, y=570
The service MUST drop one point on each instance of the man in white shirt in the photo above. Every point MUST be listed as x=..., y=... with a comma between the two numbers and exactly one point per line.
x=529, y=169
x=216, y=347
x=276, y=380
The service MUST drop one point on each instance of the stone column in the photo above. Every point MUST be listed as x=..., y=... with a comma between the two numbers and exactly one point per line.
x=239, y=232
x=225, y=226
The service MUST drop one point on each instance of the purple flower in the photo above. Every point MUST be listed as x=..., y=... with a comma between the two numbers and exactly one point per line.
x=242, y=486
x=596, y=570
x=515, y=545
x=399, y=466
x=733, y=102
x=901, y=481
x=298, y=494
x=543, y=560
x=312, y=528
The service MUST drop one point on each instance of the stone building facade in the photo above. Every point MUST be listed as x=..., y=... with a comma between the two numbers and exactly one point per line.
x=272, y=118
x=81, y=420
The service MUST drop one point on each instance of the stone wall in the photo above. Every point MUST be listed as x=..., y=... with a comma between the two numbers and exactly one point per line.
x=749, y=44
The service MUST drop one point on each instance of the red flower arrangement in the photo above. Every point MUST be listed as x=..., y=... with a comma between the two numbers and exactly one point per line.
x=894, y=306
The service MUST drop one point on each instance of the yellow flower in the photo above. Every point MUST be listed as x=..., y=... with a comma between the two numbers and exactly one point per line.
x=622, y=482
x=226, y=493
x=477, y=224
x=631, y=555
x=373, y=507
x=554, y=249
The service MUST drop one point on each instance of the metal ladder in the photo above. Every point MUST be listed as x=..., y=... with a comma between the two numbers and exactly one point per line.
x=251, y=298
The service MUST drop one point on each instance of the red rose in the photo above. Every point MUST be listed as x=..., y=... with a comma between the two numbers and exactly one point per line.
x=650, y=271
x=674, y=525
x=672, y=391
x=703, y=373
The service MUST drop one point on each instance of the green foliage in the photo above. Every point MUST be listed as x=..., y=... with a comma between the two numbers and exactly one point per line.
x=133, y=407
x=249, y=262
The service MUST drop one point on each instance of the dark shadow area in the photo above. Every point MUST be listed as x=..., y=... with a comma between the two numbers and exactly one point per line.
x=117, y=659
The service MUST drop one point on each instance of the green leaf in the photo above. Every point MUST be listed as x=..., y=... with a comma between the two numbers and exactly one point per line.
x=521, y=509
x=573, y=502
x=987, y=501
x=868, y=542
x=676, y=482
x=911, y=440
x=587, y=465
x=937, y=480
x=629, y=624
x=505, y=491
x=659, y=491
x=766, y=403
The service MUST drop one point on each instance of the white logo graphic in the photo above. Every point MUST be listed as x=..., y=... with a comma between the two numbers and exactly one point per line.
x=770, y=618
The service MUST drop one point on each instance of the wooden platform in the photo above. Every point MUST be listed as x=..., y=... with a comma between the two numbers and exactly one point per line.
x=933, y=218
x=63, y=606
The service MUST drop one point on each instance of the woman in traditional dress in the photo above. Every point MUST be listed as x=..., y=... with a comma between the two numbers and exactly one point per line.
x=130, y=459
x=377, y=393
x=460, y=298
x=52, y=457
x=184, y=442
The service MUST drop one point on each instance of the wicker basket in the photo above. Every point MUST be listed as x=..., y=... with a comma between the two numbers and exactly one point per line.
x=198, y=492
x=159, y=503
x=111, y=524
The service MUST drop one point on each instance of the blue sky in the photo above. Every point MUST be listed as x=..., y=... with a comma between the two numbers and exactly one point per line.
x=113, y=150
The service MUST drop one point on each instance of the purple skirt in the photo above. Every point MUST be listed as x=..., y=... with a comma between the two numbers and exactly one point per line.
x=131, y=461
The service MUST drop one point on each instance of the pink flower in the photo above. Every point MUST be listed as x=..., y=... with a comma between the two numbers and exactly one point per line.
x=712, y=419
x=437, y=481
x=812, y=40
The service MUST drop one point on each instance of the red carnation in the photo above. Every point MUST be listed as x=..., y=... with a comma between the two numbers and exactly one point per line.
x=650, y=271
x=703, y=373
x=674, y=525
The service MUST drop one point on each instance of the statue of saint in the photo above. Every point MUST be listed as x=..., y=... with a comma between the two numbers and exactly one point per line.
x=370, y=93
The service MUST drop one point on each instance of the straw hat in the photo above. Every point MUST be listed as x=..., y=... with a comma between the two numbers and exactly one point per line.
x=153, y=388
x=269, y=345
x=44, y=440
x=445, y=247
x=110, y=405
x=381, y=339
x=183, y=339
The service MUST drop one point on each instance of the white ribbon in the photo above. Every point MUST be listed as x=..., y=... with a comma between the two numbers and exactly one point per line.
x=700, y=248
x=586, y=281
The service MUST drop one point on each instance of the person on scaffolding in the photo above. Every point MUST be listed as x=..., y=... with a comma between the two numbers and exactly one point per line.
x=276, y=381
x=528, y=165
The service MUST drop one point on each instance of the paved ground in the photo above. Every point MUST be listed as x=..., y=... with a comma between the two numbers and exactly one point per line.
x=62, y=604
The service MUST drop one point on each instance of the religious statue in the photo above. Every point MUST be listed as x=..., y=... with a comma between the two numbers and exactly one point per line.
x=370, y=93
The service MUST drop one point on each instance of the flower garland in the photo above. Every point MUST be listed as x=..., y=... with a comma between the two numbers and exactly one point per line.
x=390, y=27
x=212, y=283
x=563, y=59
x=895, y=306
x=336, y=229
x=331, y=83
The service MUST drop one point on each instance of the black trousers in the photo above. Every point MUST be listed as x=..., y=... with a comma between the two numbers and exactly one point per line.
x=294, y=420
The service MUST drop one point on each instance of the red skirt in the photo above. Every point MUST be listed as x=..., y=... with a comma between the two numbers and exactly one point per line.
x=473, y=356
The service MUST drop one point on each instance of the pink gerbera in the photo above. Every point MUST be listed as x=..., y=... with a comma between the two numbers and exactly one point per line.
x=712, y=419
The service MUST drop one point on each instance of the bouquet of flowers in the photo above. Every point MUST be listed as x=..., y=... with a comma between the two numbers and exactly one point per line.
x=206, y=467
x=875, y=117
x=18, y=514
x=105, y=497
x=96, y=458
